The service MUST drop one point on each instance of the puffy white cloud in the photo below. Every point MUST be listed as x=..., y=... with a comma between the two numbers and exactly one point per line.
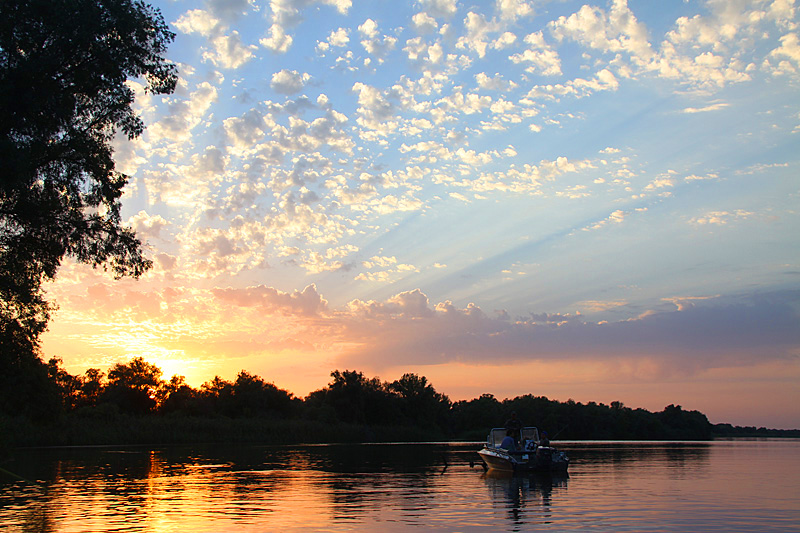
x=184, y=115
x=603, y=81
x=286, y=14
x=478, y=30
x=615, y=31
x=198, y=21
x=496, y=83
x=369, y=29
x=246, y=131
x=424, y=23
x=146, y=225
x=789, y=48
x=504, y=41
x=338, y=38
x=375, y=111
x=578, y=88
x=513, y=9
x=277, y=40
x=289, y=81
x=227, y=51
x=540, y=55
x=373, y=43
x=660, y=183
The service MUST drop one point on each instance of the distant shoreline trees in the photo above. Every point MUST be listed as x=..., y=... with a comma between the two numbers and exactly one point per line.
x=363, y=409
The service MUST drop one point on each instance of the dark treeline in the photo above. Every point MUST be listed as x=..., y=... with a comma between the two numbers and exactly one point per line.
x=132, y=403
x=727, y=431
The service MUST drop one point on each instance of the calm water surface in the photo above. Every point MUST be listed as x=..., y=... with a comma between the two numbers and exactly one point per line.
x=719, y=486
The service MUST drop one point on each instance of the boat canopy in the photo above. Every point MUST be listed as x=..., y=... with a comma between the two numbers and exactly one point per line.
x=496, y=436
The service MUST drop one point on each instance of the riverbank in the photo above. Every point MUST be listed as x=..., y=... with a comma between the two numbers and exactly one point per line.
x=121, y=429
x=118, y=429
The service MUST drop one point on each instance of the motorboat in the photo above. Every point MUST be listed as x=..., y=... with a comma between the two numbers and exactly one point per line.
x=529, y=454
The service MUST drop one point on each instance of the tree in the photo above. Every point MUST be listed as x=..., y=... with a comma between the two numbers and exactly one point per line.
x=355, y=398
x=420, y=403
x=91, y=386
x=133, y=387
x=64, y=65
x=69, y=386
x=252, y=396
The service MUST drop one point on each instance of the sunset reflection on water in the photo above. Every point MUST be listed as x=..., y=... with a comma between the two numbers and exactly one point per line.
x=612, y=486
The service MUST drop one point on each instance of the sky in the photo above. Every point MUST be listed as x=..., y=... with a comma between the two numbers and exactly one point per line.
x=595, y=201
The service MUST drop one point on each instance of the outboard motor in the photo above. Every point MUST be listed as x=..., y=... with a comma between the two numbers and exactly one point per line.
x=544, y=453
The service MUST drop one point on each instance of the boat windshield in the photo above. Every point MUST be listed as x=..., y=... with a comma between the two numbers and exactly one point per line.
x=530, y=434
x=497, y=435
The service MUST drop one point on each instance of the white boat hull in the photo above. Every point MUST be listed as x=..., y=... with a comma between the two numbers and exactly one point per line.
x=544, y=459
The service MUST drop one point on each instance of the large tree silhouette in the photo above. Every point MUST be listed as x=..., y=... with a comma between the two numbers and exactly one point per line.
x=64, y=65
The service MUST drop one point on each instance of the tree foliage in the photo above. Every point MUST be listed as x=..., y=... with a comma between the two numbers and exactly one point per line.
x=64, y=67
x=353, y=399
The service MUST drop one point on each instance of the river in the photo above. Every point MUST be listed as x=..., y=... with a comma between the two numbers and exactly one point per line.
x=612, y=486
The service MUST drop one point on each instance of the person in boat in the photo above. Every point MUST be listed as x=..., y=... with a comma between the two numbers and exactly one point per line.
x=545, y=440
x=514, y=427
x=509, y=443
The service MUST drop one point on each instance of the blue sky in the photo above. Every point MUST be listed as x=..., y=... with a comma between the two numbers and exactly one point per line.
x=586, y=200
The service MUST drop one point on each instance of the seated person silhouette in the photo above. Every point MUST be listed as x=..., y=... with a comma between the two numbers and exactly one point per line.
x=508, y=442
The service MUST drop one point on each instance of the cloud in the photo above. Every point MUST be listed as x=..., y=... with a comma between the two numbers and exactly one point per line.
x=198, y=21
x=478, y=30
x=375, y=111
x=513, y=9
x=541, y=57
x=577, y=88
x=289, y=81
x=166, y=261
x=405, y=305
x=496, y=83
x=229, y=10
x=278, y=41
x=373, y=43
x=286, y=14
x=789, y=48
x=702, y=333
x=616, y=217
x=439, y=8
x=424, y=23
x=146, y=225
x=307, y=302
x=183, y=115
x=338, y=38
x=720, y=218
x=615, y=31
x=227, y=51
x=711, y=107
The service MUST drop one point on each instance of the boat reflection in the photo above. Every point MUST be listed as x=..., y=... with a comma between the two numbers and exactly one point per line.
x=526, y=498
